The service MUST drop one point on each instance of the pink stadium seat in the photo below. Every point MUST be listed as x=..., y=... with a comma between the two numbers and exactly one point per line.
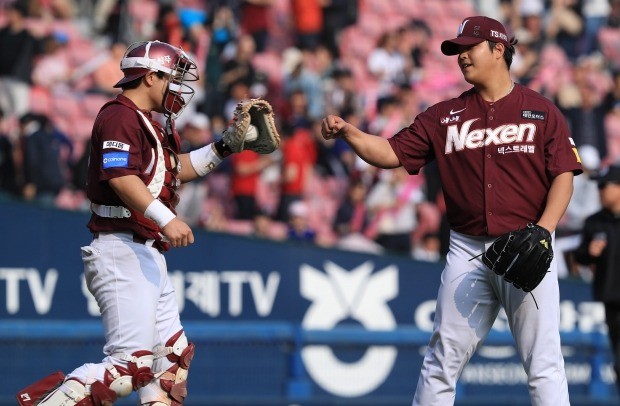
x=40, y=100
x=92, y=103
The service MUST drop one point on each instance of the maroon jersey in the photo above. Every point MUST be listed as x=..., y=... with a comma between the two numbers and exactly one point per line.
x=496, y=160
x=123, y=143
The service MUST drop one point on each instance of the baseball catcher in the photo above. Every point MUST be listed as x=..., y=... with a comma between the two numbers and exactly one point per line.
x=522, y=256
x=136, y=167
x=256, y=112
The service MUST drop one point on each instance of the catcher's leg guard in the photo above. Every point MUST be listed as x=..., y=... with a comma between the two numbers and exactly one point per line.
x=38, y=390
x=169, y=386
x=74, y=393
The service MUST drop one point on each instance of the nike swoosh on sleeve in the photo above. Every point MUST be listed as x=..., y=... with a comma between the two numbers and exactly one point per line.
x=458, y=111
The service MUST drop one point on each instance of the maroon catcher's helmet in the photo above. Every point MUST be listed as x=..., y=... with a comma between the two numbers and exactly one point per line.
x=155, y=56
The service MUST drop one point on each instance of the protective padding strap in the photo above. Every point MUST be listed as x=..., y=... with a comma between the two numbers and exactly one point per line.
x=142, y=62
x=115, y=212
x=137, y=374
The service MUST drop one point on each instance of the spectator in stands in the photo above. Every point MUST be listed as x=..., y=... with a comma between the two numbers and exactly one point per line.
x=223, y=31
x=8, y=170
x=337, y=16
x=583, y=107
x=600, y=249
x=296, y=113
x=532, y=23
x=168, y=27
x=18, y=50
x=566, y=26
x=386, y=63
x=254, y=20
x=307, y=18
x=352, y=219
x=342, y=93
x=264, y=227
x=298, y=77
x=112, y=20
x=584, y=202
x=107, y=74
x=392, y=205
x=418, y=36
x=53, y=69
x=247, y=167
x=594, y=14
x=240, y=67
x=389, y=116
x=47, y=155
x=526, y=61
x=298, y=158
x=428, y=249
x=299, y=228
x=194, y=135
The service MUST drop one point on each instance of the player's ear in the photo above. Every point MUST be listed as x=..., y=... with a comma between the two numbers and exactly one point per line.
x=499, y=49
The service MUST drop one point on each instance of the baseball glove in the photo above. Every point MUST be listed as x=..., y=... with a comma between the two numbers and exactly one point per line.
x=256, y=112
x=522, y=257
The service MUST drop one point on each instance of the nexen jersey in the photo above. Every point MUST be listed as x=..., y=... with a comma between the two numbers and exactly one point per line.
x=496, y=160
x=123, y=144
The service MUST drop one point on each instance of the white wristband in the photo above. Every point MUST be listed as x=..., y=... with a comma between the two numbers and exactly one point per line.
x=159, y=213
x=204, y=160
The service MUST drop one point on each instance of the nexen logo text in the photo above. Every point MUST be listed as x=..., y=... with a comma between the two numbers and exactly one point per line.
x=505, y=134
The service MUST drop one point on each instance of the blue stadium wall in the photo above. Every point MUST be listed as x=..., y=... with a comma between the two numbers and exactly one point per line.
x=274, y=323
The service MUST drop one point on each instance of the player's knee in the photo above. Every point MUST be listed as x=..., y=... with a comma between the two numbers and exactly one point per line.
x=180, y=350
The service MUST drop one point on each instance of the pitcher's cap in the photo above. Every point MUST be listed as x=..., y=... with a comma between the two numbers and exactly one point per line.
x=474, y=30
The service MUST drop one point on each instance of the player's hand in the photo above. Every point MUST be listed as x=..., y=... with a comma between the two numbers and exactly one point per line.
x=178, y=233
x=333, y=127
x=596, y=247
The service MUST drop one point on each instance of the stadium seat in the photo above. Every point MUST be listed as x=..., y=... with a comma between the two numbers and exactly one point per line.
x=40, y=100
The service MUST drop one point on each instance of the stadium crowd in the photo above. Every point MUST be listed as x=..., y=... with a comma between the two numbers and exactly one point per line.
x=375, y=62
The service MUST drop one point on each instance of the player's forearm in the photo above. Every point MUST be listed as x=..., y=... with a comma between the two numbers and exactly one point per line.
x=132, y=191
x=373, y=149
x=557, y=200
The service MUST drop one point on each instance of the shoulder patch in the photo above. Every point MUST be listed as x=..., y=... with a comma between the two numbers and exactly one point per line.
x=115, y=160
x=115, y=145
x=533, y=115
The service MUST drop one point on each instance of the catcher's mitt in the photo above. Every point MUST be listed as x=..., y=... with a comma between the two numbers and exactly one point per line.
x=522, y=256
x=259, y=113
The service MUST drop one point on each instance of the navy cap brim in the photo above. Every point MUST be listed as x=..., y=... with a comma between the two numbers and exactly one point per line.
x=451, y=46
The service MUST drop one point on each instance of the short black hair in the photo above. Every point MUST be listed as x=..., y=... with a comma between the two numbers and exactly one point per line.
x=509, y=52
x=136, y=82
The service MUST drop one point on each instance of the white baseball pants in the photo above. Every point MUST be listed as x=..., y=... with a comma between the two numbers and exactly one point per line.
x=468, y=302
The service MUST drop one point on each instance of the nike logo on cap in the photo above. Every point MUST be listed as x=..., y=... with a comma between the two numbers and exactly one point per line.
x=458, y=111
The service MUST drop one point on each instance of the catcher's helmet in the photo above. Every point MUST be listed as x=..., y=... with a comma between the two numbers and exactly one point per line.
x=155, y=56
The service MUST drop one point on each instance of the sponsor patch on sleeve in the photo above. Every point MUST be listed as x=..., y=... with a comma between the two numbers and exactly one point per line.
x=533, y=115
x=115, y=160
x=115, y=145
